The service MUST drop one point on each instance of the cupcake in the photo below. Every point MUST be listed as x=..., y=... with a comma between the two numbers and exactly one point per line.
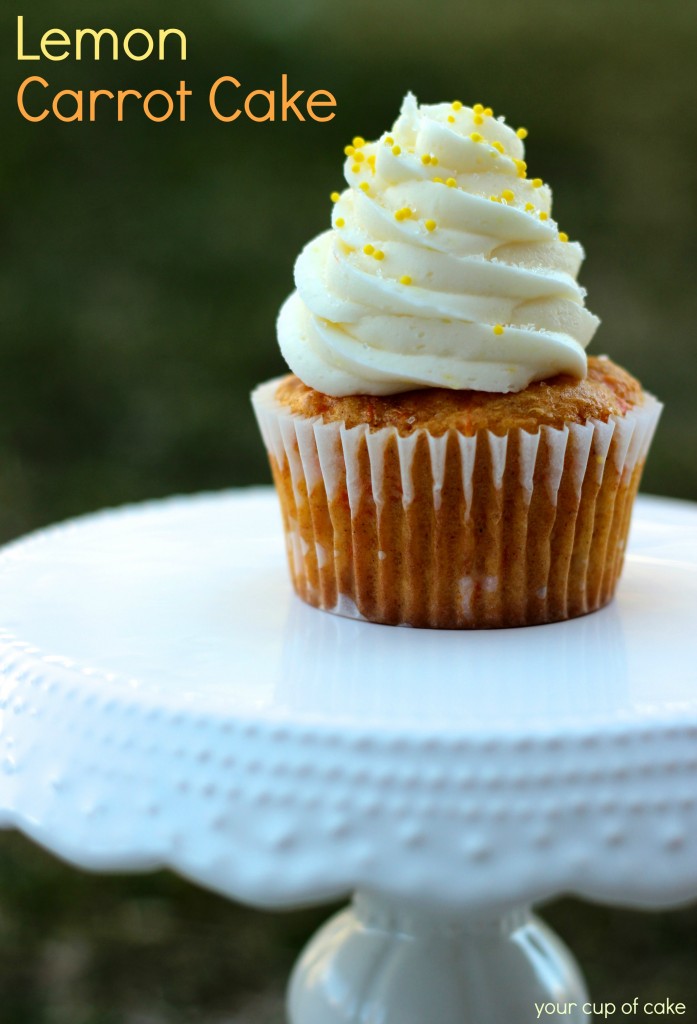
x=445, y=453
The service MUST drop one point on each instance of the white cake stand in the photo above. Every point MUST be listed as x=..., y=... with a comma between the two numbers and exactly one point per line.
x=166, y=701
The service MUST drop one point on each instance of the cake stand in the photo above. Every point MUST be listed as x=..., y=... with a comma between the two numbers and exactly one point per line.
x=167, y=701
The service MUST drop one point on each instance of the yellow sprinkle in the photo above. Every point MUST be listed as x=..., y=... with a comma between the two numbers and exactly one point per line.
x=426, y=158
x=478, y=119
x=405, y=279
x=439, y=181
x=368, y=249
x=371, y=159
x=536, y=182
x=495, y=199
x=389, y=141
x=340, y=222
x=498, y=147
x=543, y=215
x=450, y=182
x=396, y=150
x=457, y=105
x=508, y=195
x=349, y=150
x=335, y=197
x=488, y=112
x=434, y=161
x=365, y=186
x=451, y=119
x=430, y=225
x=358, y=142
x=403, y=214
x=478, y=108
x=476, y=137
x=356, y=168
x=498, y=329
x=358, y=157
x=522, y=133
x=563, y=237
x=378, y=254
x=529, y=207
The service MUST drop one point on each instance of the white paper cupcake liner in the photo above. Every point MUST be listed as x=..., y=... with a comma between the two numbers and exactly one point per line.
x=455, y=531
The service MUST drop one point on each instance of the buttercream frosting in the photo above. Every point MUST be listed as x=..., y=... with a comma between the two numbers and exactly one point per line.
x=443, y=267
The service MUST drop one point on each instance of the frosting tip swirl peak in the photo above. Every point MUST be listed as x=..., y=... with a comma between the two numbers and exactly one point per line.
x=443, y=266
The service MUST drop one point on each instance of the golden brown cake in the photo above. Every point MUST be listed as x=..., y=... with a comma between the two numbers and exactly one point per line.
x=608, y=390
x=494, y=525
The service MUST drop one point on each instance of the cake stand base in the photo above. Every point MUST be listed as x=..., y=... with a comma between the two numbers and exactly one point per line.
x=381, y=960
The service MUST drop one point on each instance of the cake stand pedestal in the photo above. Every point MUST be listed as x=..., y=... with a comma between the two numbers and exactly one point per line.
x=166, y=701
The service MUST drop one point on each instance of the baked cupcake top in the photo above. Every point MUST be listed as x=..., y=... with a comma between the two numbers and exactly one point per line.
x=443, y=267
x=607, y=390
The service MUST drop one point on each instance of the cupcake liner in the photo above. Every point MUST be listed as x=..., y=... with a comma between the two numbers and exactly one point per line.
x=455, y=532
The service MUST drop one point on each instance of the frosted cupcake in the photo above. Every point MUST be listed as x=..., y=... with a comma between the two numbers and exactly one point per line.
x=444, y=452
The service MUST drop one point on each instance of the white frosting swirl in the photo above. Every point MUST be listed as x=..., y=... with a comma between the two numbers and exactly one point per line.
x=463, y=282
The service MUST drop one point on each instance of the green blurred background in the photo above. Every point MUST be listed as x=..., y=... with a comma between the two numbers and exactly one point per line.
x=142, y=269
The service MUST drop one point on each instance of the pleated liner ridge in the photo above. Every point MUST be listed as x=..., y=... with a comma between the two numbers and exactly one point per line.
x=455, y=532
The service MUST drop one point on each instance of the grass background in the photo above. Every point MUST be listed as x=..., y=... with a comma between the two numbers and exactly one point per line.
x=142, y=267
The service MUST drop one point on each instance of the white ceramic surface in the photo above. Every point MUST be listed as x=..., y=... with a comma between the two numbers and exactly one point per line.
x=379, y=961
x=165, y=699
